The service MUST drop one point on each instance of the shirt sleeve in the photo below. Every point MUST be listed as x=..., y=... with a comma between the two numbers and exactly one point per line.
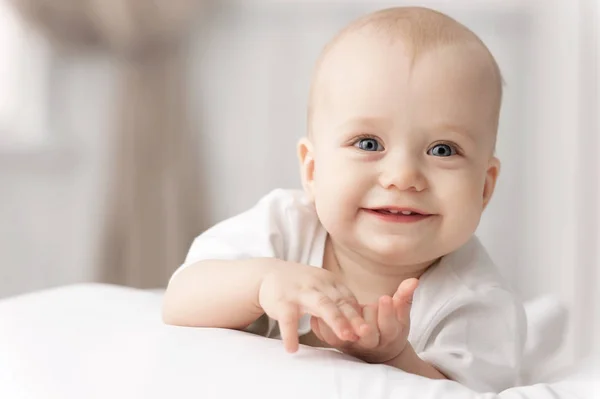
x=255, y=233
x=478, y=340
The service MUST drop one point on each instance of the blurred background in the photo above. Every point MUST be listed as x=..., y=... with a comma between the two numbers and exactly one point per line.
x=127, y=127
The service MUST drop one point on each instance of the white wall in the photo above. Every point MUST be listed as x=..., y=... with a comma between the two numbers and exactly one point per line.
x=595, y=110
x=50, y=194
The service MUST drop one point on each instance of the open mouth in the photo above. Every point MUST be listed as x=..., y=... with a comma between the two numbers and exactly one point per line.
x=397, y=212
x=398, y=215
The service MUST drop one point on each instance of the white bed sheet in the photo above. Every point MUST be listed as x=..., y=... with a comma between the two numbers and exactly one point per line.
x=100, y=341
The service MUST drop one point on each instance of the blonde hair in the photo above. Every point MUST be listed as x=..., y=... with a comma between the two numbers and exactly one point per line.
x=420, y=29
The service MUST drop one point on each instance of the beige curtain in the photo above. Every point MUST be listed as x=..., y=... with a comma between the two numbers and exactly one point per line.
x=153, y=203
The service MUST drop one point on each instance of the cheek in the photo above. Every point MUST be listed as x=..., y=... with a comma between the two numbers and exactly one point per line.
x=461, y=197
x=338, y=174
x=461, y=204
x=340, y=188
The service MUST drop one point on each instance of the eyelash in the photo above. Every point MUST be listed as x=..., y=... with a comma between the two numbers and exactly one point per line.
x=456, y=148
x=365, y=136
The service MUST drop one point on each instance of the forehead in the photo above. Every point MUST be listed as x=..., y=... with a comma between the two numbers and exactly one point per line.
x=457, y=83
x=364, y=77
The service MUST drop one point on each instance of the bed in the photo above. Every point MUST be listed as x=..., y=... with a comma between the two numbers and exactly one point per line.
x=104, y=341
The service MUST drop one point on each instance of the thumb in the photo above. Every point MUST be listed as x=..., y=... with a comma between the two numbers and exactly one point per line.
x=403, y=298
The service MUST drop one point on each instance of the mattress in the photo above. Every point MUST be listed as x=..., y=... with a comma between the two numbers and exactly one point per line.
x=104, y=341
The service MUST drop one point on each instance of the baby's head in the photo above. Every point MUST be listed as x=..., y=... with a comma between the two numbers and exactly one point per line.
x=403, y=115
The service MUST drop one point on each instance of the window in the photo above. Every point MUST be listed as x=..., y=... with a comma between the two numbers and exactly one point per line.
x=24, y=67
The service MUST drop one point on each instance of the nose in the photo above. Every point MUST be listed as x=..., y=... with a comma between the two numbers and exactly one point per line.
x=402, y=172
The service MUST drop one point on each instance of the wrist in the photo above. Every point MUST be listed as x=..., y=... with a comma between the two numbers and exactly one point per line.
x=265, y=268
x=409, y=361
x=405, y=358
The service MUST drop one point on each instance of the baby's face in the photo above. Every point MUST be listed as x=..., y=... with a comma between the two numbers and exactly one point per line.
x=390, y=136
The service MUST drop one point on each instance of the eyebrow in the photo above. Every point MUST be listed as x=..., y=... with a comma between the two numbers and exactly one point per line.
x=375, y=123
x=367, y=123
x=458, y=129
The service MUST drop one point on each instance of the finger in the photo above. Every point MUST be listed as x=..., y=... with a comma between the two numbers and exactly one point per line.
x=328, y=336
x=287, y=318
x=349, y=305
x=315, y=327
x=370, y=340
x=386, y=319
x=349, y=295
x=403, y=298
x=320, y=305
x=359, y=325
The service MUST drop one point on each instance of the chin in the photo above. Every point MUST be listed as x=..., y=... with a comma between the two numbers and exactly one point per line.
x=400, y=252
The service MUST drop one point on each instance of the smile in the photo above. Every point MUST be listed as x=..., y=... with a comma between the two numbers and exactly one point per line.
x=398, y=215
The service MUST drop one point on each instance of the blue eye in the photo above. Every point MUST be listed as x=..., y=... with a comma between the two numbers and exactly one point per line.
x=368, y=145
x=442, y=150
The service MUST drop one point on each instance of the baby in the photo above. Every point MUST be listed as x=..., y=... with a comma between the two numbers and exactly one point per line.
x=376, y=257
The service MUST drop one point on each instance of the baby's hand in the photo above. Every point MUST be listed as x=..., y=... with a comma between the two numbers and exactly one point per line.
x=291, y=290
x=390, y=324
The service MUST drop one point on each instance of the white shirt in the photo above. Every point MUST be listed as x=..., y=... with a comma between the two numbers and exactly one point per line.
x=464, y=320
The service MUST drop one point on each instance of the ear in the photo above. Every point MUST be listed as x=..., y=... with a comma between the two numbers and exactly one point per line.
x=491, y=176
x=307, y=165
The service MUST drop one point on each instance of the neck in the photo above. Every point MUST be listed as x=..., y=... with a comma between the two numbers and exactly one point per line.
x=367, y=278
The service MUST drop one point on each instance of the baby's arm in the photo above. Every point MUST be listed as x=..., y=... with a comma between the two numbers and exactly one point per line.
x=216, y=293
x=410, y=362
x=219, y=282
x=233, y=294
